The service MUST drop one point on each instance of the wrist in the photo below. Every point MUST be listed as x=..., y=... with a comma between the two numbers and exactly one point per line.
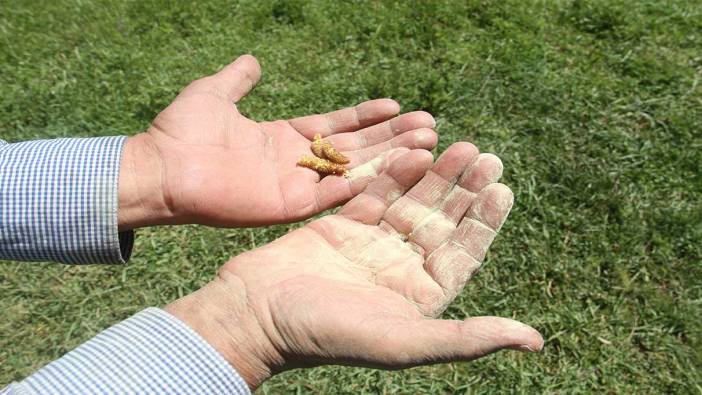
x=221, y=314
x=142, y=201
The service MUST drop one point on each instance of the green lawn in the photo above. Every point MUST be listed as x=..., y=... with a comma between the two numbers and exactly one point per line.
x=594, y=107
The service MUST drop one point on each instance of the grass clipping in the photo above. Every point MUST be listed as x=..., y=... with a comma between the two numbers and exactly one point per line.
x=327, y=159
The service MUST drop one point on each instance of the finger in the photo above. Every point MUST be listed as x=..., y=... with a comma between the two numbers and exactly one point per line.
x=416, y=214
x=238, y=78
x=369, y=206
x=382, y=132
x=417, y=139
x=422, y=342
x=450, y=165
x=347, y=119
x=453, y=263
x=487, y=169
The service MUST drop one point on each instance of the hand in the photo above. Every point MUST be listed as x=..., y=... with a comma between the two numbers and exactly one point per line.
x=201, y=161
x=363, y=287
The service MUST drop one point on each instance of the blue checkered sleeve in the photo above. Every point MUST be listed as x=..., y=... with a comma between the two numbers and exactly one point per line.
x=150, y=353
x=59, y=201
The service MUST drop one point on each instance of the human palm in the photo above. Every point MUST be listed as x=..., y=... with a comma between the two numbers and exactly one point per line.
x=221, y=168
x=364, y=286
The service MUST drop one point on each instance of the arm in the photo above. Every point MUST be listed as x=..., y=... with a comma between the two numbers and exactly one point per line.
x=59, y=201
x=366, y=286
x=363, y=287
x=200, y=161
x=151, y=352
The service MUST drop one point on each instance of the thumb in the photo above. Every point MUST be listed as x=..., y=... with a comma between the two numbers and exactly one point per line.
x=238, y=78
x=433, y=341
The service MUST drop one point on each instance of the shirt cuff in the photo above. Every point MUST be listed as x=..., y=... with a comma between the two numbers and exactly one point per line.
x=59, y=200
x=151, y=352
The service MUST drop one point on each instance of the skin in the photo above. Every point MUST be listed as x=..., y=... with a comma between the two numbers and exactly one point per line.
x=365, y=286
x=361, y=287
x=201, y=161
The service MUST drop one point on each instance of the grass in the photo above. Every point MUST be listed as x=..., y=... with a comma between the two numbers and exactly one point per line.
x=594, y=107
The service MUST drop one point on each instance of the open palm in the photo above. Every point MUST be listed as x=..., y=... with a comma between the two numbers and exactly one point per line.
x=221, y=168
x=364, y=286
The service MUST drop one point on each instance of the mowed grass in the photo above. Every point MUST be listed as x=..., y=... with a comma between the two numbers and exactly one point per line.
x=594, y=107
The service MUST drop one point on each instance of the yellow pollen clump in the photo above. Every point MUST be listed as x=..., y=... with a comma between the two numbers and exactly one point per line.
x=327, y=161
x=329, y=151
x=318, y=146
x=322, y=166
